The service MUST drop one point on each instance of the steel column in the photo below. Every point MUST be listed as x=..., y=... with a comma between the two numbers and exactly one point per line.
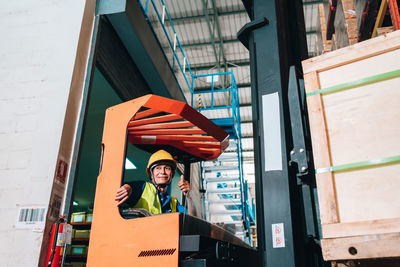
x=205, y=3
x=276, y=40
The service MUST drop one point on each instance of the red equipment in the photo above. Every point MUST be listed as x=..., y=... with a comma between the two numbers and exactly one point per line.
x=56, y=247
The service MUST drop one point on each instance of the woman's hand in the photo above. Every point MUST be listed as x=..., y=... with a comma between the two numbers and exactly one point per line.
x=123, y=194
x=184, y=185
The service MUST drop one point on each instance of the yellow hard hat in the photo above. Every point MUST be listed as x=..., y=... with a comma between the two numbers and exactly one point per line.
x=160, y=156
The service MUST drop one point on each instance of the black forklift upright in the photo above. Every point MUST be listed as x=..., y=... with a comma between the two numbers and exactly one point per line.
x=287, y=229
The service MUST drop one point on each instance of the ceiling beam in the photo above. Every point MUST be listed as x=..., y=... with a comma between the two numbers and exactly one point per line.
x=221, y=43
x=176, y=20
x=225, y=41
x=207, y=88
x=229, y=41
x=203, y=16
x=211, y=65
x=245, y=105
x=212, y=39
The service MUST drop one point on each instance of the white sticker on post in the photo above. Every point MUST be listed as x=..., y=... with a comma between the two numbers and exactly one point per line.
x=278, y=235
x=67, y=231
x=272, y=132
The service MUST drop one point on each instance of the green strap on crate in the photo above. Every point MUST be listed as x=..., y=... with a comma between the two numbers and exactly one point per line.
x=358, y=165
x=368, y=80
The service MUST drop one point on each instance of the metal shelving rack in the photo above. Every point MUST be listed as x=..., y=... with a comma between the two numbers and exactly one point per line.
x=226, y=197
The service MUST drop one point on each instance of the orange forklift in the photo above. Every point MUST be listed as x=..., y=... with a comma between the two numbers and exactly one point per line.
x=152, y=122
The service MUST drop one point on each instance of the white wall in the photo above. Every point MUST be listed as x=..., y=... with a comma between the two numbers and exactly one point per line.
x=37, y=51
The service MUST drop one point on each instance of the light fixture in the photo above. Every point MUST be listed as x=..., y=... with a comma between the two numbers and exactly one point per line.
x=212, y=79
x=129, y=165
x=75, y=203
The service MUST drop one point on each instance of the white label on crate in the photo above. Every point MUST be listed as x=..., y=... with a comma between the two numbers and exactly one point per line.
x=79, y=218
x=272, y=132
x=278, y=235
x=31, y=217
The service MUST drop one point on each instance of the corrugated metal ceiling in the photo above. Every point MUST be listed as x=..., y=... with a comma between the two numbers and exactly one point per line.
x=201, y=47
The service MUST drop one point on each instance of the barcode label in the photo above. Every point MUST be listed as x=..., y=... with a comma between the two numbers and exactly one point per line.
x=31, y=217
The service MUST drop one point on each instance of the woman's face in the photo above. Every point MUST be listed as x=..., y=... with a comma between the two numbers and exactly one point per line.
x=162, y=174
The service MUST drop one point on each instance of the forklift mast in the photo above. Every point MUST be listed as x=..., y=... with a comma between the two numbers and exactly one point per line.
x=287, y=226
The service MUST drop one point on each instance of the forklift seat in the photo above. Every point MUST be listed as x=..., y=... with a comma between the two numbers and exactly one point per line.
x=132, y=213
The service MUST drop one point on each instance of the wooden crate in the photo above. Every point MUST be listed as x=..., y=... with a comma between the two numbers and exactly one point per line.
x=360, y=123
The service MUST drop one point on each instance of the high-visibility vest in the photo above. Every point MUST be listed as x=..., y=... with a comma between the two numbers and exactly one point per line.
x=150, y=200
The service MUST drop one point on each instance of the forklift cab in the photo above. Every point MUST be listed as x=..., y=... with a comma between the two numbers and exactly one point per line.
x=173, y=239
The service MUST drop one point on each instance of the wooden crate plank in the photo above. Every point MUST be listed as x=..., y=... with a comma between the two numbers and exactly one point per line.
x=367, y=246
x=363, y=121
x=326, y=198
x=361, y=69
x=361, y=228
x=317, y=121
x=368, y=194
x=325, y=185
x=359, y=51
